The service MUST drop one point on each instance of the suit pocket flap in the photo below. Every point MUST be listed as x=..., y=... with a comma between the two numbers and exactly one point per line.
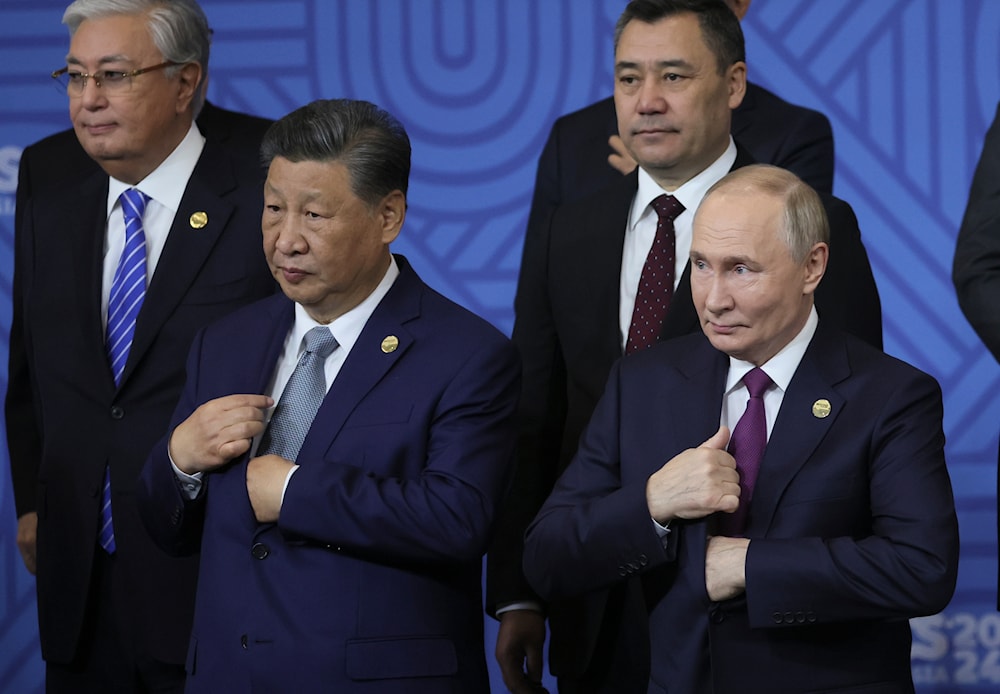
x=401, y=657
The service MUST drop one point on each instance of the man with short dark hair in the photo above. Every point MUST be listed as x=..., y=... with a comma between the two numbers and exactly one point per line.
x=342, y=533
x=778, y=486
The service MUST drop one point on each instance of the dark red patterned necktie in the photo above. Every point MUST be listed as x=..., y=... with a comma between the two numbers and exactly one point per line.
x=747, y=446
x=656, y=284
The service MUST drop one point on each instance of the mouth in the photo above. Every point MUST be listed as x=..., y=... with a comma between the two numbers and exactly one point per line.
x=293, y=274
x=99, y=128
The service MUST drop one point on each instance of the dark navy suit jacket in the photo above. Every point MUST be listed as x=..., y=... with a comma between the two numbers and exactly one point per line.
x=852, y=527
x=371, y=579
x=567, y=330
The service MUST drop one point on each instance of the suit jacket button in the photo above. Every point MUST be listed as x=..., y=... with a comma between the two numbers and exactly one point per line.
x=175, y=517
x=260, y=551
x=811, y=617
x=776, y=617
x=717, y=616
x=117, y=412
x=622, y=571
x=800, y=617
x=643, y=560
x=243, y=642
x=789, y=618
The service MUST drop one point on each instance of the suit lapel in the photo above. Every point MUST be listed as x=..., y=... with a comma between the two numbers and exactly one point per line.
x=186, y=248
x=369, y=360
x=798, y=430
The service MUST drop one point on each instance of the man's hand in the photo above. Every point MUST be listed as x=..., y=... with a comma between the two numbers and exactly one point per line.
x=695, y=483
x=620, y=158
x=519, y=650
x=265, y=484
x=725, y=567
x=27, y=536
x=217, y=432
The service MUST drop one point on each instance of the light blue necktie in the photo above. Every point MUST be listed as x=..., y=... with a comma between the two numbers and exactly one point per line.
x=299, y=402
x=128, y=289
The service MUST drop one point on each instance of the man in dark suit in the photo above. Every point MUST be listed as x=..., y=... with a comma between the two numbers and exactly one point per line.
x=680, y=71
x=584, y=153
x=359, y=542
x=976, y=267
x=791, y=560
x=118, y=618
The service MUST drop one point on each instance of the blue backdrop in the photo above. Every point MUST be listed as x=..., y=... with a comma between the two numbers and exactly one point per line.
x=909, y=85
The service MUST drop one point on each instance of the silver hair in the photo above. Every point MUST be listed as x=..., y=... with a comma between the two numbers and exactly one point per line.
x=179, y=29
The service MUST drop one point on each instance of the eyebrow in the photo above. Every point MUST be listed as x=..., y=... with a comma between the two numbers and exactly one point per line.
x=632, y=65
x=72, y=60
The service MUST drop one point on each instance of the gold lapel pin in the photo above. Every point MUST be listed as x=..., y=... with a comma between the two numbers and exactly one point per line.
x=821, y=408
x=390, y=344
x=198, y=220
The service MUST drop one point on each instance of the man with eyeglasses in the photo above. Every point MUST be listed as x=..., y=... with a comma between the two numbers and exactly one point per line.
x=132, y=231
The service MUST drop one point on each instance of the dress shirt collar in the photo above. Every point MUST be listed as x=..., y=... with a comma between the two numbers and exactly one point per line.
x=781, y=367
x=167, y=182
x=346, y=328
x=689, y=194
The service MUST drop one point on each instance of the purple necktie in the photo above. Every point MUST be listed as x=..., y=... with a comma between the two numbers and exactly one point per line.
x=747, y=446
x=656, y=284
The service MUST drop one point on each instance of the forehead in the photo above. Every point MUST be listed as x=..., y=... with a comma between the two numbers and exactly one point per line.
x=113, y=37
x=308, y=179
x=670, y=38
x=740, y=222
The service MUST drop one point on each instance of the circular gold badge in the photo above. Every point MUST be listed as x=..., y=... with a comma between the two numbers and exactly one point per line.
x=821, y=408
x=198, y=220
x=390, y=344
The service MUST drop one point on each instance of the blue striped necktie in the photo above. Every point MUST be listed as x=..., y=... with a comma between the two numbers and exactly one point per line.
x=128, y=289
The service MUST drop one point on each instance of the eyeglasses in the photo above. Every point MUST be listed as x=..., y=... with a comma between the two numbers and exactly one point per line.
x=112, y=81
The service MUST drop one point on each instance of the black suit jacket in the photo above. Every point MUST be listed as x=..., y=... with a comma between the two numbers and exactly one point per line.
x=574, y=163
x=66, y=421
x=567, y=330
x=852, y=527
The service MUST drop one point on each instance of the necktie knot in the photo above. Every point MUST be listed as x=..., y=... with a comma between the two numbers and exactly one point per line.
x=667, y=207
x=320, y=341
x=133, y=202
x=757, y=382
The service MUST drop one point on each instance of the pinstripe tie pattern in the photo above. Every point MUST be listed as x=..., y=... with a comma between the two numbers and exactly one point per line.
x=303, y=394
x=128, y=289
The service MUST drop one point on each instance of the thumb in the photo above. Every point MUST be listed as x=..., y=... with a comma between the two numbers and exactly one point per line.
x=719, y=439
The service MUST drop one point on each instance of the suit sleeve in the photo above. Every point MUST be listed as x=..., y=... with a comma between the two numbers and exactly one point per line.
x=23, y=427
x=445, y=513
x=976, y=268
x=847, y=296
x=593, y=531
x=906, y=564
x=173, y=520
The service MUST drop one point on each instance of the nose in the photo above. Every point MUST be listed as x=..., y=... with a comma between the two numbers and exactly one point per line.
x=92, y=96
x=718, y=298
x=651, y=98
x=289, y=240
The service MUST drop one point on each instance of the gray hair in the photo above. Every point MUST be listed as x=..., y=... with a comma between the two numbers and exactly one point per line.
x=804, y=221
x=369, y=141
x=720, y=27
x=179, y=30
